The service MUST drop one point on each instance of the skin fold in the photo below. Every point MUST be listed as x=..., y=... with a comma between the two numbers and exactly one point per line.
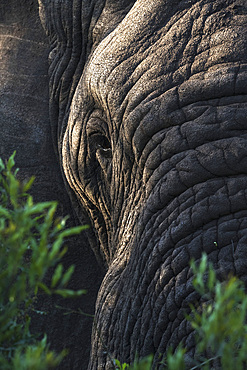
x=149, y=102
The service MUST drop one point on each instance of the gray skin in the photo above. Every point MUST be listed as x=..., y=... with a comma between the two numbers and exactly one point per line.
x=25, y=127
x=149, y=102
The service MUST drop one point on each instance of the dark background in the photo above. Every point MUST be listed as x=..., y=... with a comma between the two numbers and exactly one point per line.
x=25, y=127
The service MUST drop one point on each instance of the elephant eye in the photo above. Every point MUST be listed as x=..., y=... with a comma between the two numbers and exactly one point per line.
x=99, y=144
x=100, y=152
x=102, y=144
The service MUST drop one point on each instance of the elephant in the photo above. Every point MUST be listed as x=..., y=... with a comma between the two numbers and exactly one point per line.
x=148, y=101
x=147, y=104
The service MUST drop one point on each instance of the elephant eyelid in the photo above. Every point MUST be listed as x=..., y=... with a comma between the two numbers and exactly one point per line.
x=96, y=125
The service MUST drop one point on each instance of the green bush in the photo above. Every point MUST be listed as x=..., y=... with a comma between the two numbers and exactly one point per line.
x=31, y=242
x=219, y=323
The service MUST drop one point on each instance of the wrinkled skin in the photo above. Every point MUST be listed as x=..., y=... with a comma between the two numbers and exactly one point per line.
x=149, y=98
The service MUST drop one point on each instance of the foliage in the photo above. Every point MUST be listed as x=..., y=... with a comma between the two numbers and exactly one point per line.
x=219, y=323
x=143, y=364
x=31, y=242
x=175, y=359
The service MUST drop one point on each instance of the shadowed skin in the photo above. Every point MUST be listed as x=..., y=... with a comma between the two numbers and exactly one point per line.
x=149, y=99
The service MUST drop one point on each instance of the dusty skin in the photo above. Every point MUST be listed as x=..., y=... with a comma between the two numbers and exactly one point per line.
x=148, y=109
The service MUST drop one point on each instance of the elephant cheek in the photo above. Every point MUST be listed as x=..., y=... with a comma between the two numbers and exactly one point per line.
x=193, y=205
x=141, y=309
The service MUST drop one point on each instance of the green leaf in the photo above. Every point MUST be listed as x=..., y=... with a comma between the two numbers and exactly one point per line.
x=28, y=184
x=73, y=231
x=67, y=275
x=1, y=165
x=11, y=161
x=39, y=208
x=176, y=361
x=67, y=293
x=57, y=275
x=4, y=212
x=44, y=288
x=56, y=248
x=211, y=279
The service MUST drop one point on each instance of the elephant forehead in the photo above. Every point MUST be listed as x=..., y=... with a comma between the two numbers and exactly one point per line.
x=157, y=47
x=119, y=45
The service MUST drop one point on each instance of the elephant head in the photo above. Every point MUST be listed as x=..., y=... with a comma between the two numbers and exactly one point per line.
x=149, y=100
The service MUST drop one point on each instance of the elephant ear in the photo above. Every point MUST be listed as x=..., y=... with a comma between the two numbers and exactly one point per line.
x=67, y=24
x=74, y=28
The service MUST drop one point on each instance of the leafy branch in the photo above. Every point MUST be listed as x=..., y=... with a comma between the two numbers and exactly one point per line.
x=31, y=244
